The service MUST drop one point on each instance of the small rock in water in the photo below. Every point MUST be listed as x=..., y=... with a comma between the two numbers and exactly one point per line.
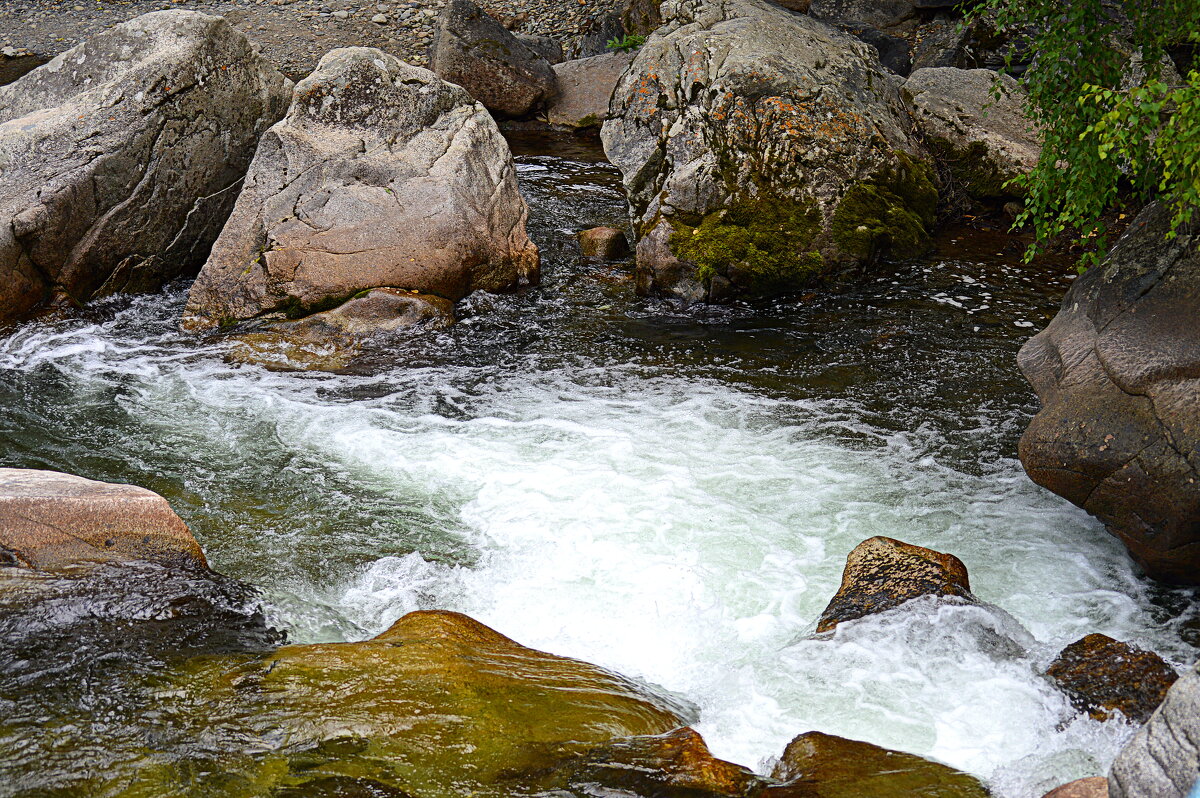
x=1091, y=787
x=603, y=242
x=1103, y=675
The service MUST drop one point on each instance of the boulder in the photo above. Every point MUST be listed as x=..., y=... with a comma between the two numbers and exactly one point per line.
x=883, y=573
x=546, y=47
x=817, y=764
x=437, y=705
x=1103, y=676
x=603, y=242
x=50, y=521
x=381, y=175
x=596, y=33
x=875, y=13
x=1091, y=787
x=585, y=87
x=761, y=150
x=894, y=53
x=983, y=138
x=120, y=159
x=475, y=51
x=1163, y=758
x=1118, y=375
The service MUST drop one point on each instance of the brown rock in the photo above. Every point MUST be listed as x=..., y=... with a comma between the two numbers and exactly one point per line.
x=1118, y=374
x=882, y=573
x=585, y=87
x=604, y=242
x=50, y=521
x=1103, y=675
x=1092, y=787
x=817, y=765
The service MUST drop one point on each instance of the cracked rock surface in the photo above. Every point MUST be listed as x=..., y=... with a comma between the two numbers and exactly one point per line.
x=120, y=159
x=1163, y=758
x=1118, y=374
x=381, y=175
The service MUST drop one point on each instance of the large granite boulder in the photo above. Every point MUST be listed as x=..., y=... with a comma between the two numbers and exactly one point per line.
x=381, y=175
x=1163, y=758
x=1102, y=676
x=983, y=137
x=761, y=149
x=475, y=51
x=585, y=87
x=120, y=159
x=883, y=573
x=1118, y=374
x=50, y=520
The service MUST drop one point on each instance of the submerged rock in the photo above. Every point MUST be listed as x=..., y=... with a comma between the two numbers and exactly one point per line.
x=984, y=139
x=50, y=520
x=883, y=573
x=120, y=159
x=1103, y=676
x=475, y=51
x=761, y=149
x=1163, y=758
x=603, y=242
x=1118, y=374
x=381, y=175
x=817, y=765
x=1092, y=787
x=438, y=705
x=585, y=87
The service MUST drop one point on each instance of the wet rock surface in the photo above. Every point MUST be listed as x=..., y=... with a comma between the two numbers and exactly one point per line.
x=124, y=157
x=382, y=175
x=607, y=243
x=1103, y=676
x=1118, y=374
x=1163, y=758
x=1091, y=787
x=883, y=573
x=727, y=129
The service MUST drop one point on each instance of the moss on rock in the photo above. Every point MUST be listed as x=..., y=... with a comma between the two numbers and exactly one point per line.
x=890, y=213
x=973, y=168
x=766, y=243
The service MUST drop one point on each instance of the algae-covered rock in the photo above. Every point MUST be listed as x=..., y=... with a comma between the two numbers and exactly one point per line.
x=761, y=149
x=818, y=765
x=1103, y=676
x=438, y=705
x=883, y=573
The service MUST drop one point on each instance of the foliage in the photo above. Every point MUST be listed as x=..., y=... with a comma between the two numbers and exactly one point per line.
x=628, y=42
x=1111, y=120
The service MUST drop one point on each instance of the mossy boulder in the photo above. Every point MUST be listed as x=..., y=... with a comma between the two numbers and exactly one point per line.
x=740, y=130
x=439, y=705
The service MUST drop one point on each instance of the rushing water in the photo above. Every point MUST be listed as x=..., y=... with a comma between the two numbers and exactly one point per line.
x=669, y=494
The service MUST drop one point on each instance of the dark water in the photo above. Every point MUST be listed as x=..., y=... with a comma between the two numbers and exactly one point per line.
x=667, y=492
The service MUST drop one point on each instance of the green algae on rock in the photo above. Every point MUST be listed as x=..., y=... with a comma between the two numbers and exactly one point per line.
x=891, y=213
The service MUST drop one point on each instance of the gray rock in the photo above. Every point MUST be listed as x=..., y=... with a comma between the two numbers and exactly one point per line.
x=876, y=13
x=475, y=51
x=985, y=139
x=585, y=87
x=1118, y=374
x=546, y=47
x=380, y=175
x=121, y=158
x=739, y=121
x=1163, y=758
x=597, y=34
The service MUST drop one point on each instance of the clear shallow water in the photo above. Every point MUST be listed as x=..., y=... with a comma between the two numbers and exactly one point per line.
x=668, y=494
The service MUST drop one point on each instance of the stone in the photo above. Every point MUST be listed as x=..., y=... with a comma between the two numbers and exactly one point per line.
x=984, y=139
x=762, y=150
x=50, y=521
x=380, y=19
x=1118, y=375
x=381, y=175
x=1091, y=787
x=546, y=47
x=475, y=51
x=822, y=765
x=439, y=704
x=1102, y=676
x=894, y=52
x=1163, y=758
x=641, y=17
x=883, y=573
x=880, y=14
x=585, y=87
x=120, y=159
x=607, y=243
x=595, y=34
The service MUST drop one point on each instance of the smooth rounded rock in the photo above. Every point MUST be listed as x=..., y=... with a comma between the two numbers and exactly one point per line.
x=607, y=243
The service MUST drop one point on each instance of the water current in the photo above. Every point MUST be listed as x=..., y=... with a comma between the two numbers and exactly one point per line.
x=667, y=493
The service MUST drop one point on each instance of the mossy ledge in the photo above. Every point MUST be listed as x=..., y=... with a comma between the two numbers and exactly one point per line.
x=765, y=244
x=891, y=213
